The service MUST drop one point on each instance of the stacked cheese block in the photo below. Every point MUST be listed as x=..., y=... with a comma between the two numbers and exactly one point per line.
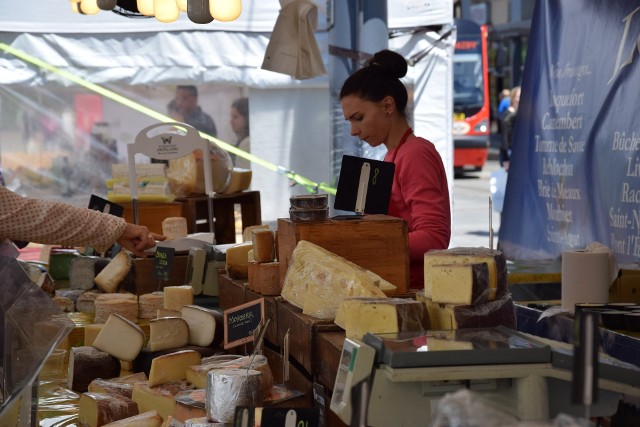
x=151, y=180
x=318, y=281
x=174, y=344
x=255, y=260
x=467, y=288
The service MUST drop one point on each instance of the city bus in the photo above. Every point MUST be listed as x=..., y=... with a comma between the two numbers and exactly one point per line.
x=471, y=110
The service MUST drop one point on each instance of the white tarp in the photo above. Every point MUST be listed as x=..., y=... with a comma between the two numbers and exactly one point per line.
x=289, y=126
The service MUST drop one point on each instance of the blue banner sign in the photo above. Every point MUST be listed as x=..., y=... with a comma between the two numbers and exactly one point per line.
x=574, y=176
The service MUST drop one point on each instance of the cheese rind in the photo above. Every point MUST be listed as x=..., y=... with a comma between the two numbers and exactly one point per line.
x=172, y=367
x=98, y=409
x=121, y=338
x=379, y=316
x=466, y=284
x=237, y=260
x=318, y=280
x=263, y=245
x=206, y=327
x=496, y=264
x=88, y=363
x=500, y=312
x=168, y=332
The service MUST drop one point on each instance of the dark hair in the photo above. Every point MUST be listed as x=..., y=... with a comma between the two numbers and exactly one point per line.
x=189, y=88
x=378, y=79
x=242, y=106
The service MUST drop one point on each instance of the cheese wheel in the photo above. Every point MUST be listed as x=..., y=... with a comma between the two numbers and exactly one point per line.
x=98, y=409
x=175, y=227
x=110, y=278
x=148, y=304
x=230, y=388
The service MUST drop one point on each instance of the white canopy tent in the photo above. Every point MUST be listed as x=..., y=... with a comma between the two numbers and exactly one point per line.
x=143, y=59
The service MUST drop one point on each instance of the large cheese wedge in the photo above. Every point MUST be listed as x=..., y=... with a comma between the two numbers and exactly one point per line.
x=500, y=312
x=88, y=363
x=460, y=283
x=120, y=338
x=158, y=398
x=146, y=419
x=111, y=276
x=318, y=280
x=168, y=332
x=385, y=316
x=177, y=296
x=98, y=409
x=496, y=264
x=206, y=327
x=237, y=260
x=172, y=367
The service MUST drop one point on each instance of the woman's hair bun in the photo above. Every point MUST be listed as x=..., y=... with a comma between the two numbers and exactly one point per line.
x=391, y=63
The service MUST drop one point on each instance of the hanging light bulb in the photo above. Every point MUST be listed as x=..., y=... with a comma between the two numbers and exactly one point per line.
x=107, y=4
x=166, y=10
x=198, y=11
x=145, y=7
x=89, y=7
x=225, y=10
x=182, y=5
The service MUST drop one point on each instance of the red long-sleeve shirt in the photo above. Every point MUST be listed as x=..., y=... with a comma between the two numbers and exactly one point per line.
x=420, y=196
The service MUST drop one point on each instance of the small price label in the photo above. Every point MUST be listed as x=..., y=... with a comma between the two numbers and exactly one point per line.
x=164, y=262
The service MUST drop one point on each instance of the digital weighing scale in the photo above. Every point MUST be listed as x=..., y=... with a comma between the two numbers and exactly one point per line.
x=408, y=373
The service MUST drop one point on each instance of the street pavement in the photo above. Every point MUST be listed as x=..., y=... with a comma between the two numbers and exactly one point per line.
x=470, y=222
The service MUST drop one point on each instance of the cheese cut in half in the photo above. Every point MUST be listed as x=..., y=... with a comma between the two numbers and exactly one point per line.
x=168, y=332
x=88, y=363
x=384, y=316
x=146, y=419
x=120, y=338
x=263, y=245
x=238, y=260
x=318, y=280
x=206, y=327
x=500, y=312
x=177, y=296
x=98, y=409
x=110, y=278
x=175, y=227
x=466, y=284
x=496, y=263
x=172, y=367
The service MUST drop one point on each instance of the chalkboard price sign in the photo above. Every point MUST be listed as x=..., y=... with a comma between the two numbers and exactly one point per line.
x=240, y=322
x=164, y=262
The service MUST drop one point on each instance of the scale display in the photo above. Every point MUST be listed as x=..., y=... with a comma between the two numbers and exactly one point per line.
x=483, y=346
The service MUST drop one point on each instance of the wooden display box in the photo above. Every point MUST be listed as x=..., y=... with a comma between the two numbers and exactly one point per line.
x=145, y=279
x=297, y=379
x=270, y=312
x=302, y=334
x=152, y=214
x=231, y=293
x=626, y=288
x=376, y=242
x=329, y=349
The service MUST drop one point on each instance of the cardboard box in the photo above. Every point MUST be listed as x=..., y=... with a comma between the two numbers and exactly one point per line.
x=626, y=288
x=378, y=243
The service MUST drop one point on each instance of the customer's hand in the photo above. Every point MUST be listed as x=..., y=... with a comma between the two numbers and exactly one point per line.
x=137, y=238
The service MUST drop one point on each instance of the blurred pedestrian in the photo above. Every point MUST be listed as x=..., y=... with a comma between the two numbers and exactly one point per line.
x=240, y=126
x=508, y=120
x=186, y=104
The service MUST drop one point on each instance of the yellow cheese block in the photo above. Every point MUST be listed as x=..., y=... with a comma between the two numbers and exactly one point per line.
x=172, y=367
x=168, y=332
x=237, y=260
x=177, y=296
x=318, y=280
x=240, y=180
x=159, y=399
x=91, y=332
x=109, y=279
x=460, y=283
x=384, y=316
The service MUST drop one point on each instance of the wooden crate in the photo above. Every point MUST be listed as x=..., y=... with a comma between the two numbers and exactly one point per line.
x=302, y=334
x=298, y=380
x=152, y=214
x=145, y=280
x=329, y=348
x=231, y=293
x=376, y=242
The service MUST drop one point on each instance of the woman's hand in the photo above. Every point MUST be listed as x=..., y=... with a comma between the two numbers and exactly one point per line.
x=137, y=238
